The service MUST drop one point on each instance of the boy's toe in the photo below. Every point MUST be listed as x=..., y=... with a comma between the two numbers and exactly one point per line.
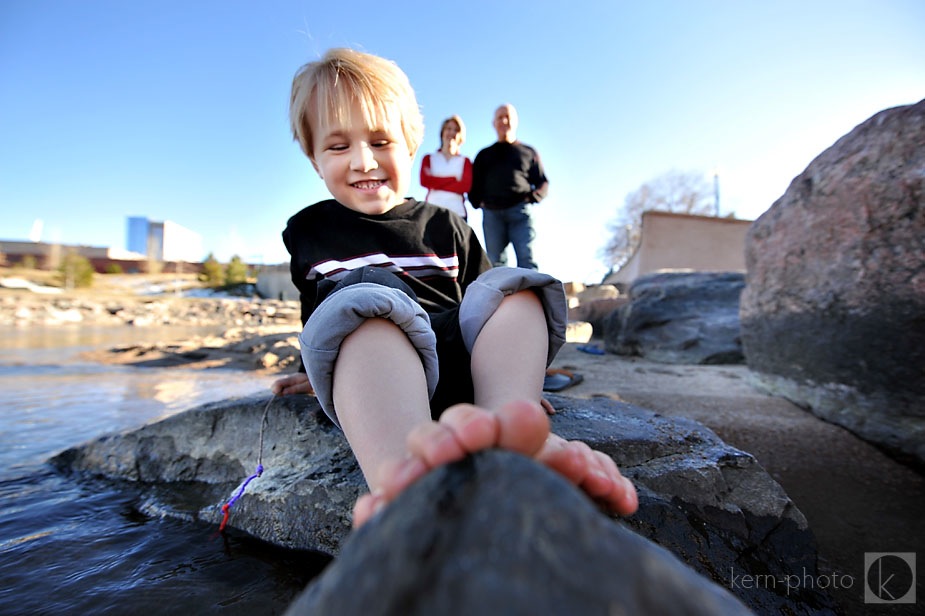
x=475, y=428
x=435, y=444
x=524, y=427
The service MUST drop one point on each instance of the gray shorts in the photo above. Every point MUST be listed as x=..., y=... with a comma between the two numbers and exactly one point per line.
x=380, y=294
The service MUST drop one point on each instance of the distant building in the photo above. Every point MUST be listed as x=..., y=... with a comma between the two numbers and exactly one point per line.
x=671, y=241
x=48, y=256
x=163, y=241
x=137, y=235
x=275, y=282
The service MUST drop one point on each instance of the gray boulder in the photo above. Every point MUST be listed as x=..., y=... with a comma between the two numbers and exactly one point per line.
x=432, y=552
x=680, y=318
x=832, y=315
x=310, y=473
x=708, y=503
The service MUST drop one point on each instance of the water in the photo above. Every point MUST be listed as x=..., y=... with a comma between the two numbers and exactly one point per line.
x=79, y=546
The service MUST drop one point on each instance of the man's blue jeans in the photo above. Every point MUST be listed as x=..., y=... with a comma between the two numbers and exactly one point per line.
x=513, y=225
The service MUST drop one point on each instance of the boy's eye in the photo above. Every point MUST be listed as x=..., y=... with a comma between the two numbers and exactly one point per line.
x=338, y=147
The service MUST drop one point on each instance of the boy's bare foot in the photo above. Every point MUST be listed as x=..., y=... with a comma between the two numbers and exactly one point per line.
x=521, y=427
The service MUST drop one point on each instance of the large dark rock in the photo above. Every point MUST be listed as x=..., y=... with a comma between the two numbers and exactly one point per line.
x=680, y=318
x=833, y=315
x=498, y=534
x=303, y=499
x=710, y=504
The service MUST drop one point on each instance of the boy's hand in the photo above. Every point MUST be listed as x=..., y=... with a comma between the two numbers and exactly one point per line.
x=295, y=384
x=547, y=406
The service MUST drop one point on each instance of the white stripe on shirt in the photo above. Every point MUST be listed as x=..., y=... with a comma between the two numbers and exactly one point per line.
x=418, y=266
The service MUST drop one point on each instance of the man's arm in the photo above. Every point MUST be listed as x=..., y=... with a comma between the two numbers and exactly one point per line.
x=476, y=192
x=538, y=179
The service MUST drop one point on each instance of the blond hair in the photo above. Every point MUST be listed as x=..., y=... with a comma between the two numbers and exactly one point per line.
x=324, y=93
x=459, y=123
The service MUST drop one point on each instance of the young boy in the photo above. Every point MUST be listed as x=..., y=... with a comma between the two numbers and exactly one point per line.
x=397, y=293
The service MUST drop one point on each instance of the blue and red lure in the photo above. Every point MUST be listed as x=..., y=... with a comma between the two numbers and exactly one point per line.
x=226, y=508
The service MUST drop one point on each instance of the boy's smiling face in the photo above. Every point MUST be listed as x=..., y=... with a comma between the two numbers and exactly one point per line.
x=366, y=168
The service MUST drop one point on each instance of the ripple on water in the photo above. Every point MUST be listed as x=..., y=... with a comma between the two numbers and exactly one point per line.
x=79, y=546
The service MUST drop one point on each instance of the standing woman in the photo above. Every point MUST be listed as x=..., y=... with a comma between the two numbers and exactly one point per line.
x=447, y=174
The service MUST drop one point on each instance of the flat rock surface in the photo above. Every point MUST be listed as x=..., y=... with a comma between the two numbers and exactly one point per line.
x=855, y=498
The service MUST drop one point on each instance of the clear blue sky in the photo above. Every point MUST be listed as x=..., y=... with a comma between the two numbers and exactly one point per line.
x=177, y=110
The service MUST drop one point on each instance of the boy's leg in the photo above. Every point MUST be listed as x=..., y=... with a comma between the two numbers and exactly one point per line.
x=508, y=364
x=509, y=355
x=380, y=393
x=370, y=354
x=508, y=361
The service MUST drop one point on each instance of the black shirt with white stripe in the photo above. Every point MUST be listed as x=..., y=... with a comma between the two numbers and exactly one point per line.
x=431, y=249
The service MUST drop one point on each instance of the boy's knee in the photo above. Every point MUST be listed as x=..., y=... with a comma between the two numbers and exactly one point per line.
x=375, y=326
x=376, y=323
x=344, y=312
x=485, y=295
x=527, y=299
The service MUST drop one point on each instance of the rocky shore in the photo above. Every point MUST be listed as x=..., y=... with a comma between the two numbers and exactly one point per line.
x=254, y=333
x=854, y=497
x=24, y=308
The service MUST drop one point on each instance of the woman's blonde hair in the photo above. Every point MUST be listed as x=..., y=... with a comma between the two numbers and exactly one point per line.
x=325, y=91
x=459, y=123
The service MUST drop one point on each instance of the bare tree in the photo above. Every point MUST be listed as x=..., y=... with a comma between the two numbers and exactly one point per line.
x=675, y=191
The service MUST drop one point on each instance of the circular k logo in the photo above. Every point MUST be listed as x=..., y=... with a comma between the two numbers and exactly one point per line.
x=889, y=577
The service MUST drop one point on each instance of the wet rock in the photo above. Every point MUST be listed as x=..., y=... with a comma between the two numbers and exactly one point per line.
x=710, y=504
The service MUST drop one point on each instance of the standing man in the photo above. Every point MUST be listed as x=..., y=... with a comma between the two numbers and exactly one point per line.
x=507, y=179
